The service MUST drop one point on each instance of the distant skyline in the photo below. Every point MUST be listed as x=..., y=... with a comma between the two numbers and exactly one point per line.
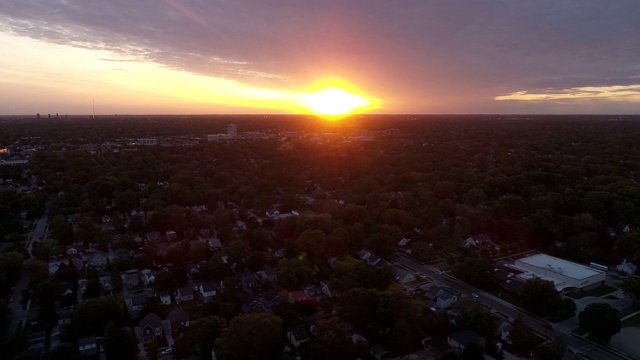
x=256, y=56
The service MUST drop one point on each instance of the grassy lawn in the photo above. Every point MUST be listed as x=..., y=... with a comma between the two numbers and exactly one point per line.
x=579, y=331
x=629, y=310
x=599, y=291
x=633, y=321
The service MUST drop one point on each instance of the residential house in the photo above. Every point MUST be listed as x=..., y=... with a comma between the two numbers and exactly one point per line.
x=445, y=298
x=151, y=328
x=404, y=241
x=171, y=235
x=462, y=339
x=469, y=242
x=214, y=243
x=260, y=302
x=165, y=297
x=153, y=236
x=627, y=268
x=298, y=336
x=148, y=276
x=97, y=261
x=380, y=352
x=184, y=293
x=105, y=282
x=208, y=290
x=137, y=213
x=72, y=251
x=403, y=276
x=88, y=345
x=363, y=254
x=299, y=296
x=66, y=288
x=130, y=279
x=64, y=317
x=76, y=261
x=268, y=275
x=249, y=282
x=503, y=330
x=106, y=219
x=178, y=321
x=436, y=346
x=314, y=293
x=136, y=301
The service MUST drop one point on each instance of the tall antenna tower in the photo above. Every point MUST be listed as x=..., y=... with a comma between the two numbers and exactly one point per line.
x=94, y=108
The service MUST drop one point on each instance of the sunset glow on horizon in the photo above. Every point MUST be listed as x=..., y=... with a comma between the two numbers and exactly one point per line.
x=250, y=56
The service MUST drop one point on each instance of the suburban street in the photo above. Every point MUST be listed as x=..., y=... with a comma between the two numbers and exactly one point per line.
x=576, y=344
x=19, y=312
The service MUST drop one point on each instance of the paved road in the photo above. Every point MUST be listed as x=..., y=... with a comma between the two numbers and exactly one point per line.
x=18, y=313
x=580, y=345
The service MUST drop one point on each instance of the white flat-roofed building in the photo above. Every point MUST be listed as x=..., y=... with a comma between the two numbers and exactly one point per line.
x=564, y=274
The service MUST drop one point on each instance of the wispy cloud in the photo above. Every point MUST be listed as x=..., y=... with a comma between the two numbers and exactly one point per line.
x=624, y=93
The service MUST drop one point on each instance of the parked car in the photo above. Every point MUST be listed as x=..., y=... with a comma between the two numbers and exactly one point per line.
x=166, y=351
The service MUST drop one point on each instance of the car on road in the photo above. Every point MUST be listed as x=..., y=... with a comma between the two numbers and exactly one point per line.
x=166, y=351
x=474, y=295
x=10, y=299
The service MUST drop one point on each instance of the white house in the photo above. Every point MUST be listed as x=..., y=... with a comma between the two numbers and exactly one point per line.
x=462, y=339
x=88, y=345
x=207, y=289
x=626, y=268
x=298, y=336
x=403, y=276
x=165, y=297
x=445, y=298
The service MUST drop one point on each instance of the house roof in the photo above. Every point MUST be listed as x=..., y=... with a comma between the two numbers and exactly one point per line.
x=86, y=341
x=178, y=315
x=466, y=337
x=152, y=320
x=299, y=334
x=185, y=290
x=208, y=286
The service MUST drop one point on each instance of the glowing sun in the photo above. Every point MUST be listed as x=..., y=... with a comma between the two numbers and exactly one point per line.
x=334, y=102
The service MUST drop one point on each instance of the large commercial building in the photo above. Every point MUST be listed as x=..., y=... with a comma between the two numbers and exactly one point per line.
x=564, y=274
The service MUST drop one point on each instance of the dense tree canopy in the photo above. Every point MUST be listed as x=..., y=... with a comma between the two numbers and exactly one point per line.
x=600, y=320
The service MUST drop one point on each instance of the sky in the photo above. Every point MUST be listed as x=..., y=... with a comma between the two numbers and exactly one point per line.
x=258, y=56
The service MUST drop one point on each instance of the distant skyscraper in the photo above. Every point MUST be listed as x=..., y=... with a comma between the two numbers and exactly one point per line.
x=232, y=130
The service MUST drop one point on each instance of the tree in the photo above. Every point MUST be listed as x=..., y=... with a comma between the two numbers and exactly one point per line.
x=5, y=313
x=37, y=271
x=401, y=338
x=264, y=331
x=631, y=287
x=48, y=293
x=203, y=334
x=294, y=273
x=165, y=280
x=477, y=272
x=601, y=321
x=473, y=352
x=92, y=316
x=48, y=316
x=11, y=266
x=541, y=298
x=521, y=334
x=351, y=273
x=119, y=344
x=152, y=350
x=553, y=350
